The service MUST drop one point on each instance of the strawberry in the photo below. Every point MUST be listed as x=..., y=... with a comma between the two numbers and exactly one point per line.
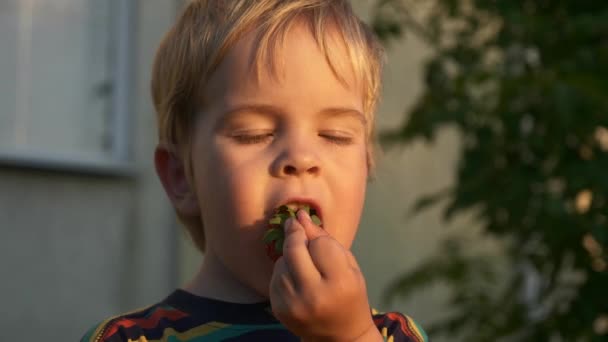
x=275, y=235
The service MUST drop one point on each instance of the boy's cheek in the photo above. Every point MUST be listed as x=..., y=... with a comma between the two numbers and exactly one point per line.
x=342, y=228
x=348, y=215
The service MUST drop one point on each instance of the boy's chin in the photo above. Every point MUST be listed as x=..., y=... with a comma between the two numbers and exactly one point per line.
x=262, y=289
x=259, y=282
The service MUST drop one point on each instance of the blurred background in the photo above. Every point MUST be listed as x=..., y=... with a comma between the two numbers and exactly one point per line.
x=487, y=219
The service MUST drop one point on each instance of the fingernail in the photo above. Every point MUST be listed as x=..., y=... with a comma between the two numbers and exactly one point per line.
x=303, y=215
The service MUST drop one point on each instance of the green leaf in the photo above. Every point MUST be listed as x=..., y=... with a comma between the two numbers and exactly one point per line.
x=525, y=98
x=316, y=220
x=275, y=220
x=279, y=246
x=273, y=234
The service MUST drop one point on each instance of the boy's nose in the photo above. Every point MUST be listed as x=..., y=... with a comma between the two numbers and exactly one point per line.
x=297, y=162
x=298, y=169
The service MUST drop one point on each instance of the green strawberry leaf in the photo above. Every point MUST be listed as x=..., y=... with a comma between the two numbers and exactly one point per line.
x=315, y=219
x=273, y=234
x=279, y=246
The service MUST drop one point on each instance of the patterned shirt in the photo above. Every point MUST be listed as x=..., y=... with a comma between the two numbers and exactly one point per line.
x=183, y=316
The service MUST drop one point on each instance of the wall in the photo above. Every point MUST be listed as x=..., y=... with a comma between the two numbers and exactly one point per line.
x=78, y=246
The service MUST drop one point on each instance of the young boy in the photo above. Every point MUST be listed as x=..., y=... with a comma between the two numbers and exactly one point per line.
x=263, y=103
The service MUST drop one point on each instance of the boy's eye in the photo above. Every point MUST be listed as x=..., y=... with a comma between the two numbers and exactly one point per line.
x=252, y=138
x=337, y=139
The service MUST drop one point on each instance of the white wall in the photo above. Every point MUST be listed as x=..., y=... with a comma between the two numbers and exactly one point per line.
x=54, y=58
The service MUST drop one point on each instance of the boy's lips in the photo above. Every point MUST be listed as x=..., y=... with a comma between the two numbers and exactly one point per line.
x=294, y=201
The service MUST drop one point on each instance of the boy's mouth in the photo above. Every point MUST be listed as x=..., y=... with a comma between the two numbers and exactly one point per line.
x=299, y=203
x=274, y=237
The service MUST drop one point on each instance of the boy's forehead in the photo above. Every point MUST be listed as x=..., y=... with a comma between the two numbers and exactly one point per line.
x=247, y=67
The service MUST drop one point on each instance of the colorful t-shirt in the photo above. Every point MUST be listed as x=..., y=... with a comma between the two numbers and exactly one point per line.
x=183, y=316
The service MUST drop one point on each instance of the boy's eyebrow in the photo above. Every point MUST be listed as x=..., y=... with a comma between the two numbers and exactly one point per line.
x=276, y=111
x=344, y=111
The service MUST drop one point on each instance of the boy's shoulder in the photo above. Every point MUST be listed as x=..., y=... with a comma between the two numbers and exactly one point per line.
x=183, y=316
x=395, y=326
x=130, y=326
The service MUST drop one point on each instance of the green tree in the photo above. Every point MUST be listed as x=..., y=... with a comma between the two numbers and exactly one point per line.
x=526, y=85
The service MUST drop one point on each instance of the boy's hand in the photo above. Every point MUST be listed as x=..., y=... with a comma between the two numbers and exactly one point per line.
x=317, y=290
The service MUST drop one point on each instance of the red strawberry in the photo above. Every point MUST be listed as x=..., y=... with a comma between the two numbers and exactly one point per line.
x=272, y=252
x=275, y=235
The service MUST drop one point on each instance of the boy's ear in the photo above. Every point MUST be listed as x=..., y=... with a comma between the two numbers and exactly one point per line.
x=171, y=171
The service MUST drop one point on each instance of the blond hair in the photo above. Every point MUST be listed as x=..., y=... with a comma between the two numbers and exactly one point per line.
x=207, y=29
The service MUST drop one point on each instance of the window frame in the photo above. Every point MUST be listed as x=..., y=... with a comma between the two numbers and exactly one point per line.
x=120, y=161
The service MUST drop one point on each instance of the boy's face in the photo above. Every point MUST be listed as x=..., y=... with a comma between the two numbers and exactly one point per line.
x=262, y=143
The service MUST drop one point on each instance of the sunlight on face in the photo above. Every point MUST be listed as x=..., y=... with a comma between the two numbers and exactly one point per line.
x=262, y=141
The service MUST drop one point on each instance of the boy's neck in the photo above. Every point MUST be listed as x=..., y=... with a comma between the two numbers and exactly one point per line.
x=214, y=281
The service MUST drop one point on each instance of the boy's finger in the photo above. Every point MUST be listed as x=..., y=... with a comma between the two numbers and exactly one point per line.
x=281, y=282
x=296, y=255
x=327, y=254
x=312, y=230
x=352, y=260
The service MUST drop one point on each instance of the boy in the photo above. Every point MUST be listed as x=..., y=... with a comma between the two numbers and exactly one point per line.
x=264, y=103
